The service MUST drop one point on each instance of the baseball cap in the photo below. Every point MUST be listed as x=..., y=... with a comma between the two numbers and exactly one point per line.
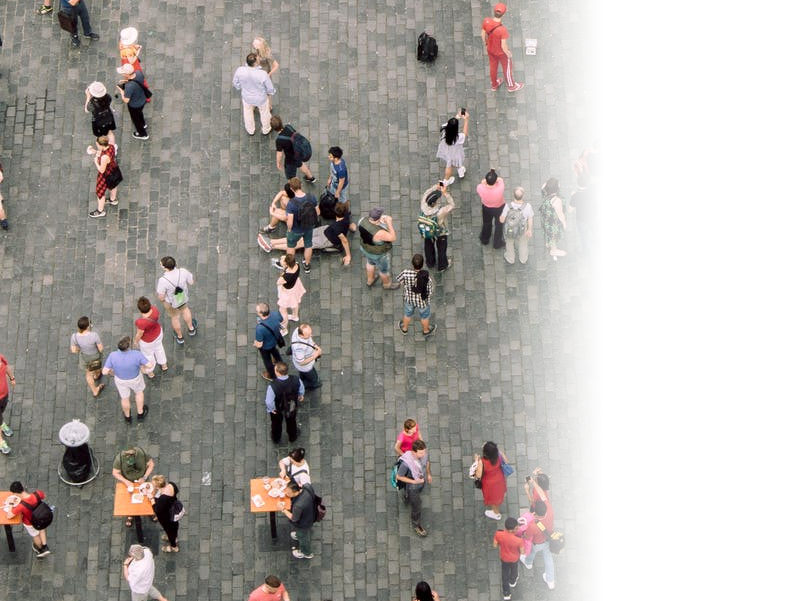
x=375, y=213
x=500, y=8
x=125, y=69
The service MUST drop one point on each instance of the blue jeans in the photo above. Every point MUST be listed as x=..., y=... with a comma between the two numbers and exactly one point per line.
x=380, y=261
x=332, y=190
x=81, y=12
x=549, y=568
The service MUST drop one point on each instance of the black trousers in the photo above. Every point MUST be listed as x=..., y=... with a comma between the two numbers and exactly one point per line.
x=436, y=253
x=276, y=423
x=137, y=116
x=171, y=530
x=270, y=356
x=489, y=215
x=509, y=574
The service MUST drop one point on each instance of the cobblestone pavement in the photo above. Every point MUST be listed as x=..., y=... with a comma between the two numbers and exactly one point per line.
x=507, y=362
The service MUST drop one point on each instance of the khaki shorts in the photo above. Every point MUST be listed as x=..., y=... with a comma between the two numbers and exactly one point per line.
x=126, y=387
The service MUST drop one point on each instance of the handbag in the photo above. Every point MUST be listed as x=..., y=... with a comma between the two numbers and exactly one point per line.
x=177, y=510
x=473, y=469
x=556, y=539
x=114, y=178
x=507, y=469
x=68, y=21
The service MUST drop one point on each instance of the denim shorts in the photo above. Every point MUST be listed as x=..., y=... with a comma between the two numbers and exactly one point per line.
x=424, y=312
x=382, y=262
x=307, y=236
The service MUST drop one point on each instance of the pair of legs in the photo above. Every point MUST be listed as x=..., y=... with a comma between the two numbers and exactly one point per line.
x=383, y=264
x=509, y=574
x=171, y=532
x=549, y=567
x=39, y=536
x=276, y=427
x=505, y=63
x=489, y=215
x=276, y=216
x=153, y=593
x=310, y=378
x=413, y=496
x=424, y=317
x=288, y=313
x=293, y=239
x=137, y=117
x=249, y=117
x=3, y=404
x=101, y=199
x=175, y=315
x=290, y=170
x=521, y=246
x=436, y=253
x=125, y=388
x=304, y=540
x=91, y=380
x=270, y=357
x=79, y=11
x=154, y=353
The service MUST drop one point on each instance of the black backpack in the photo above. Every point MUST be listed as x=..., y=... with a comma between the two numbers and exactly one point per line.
x=327, y=202
x=307, y=215
x=41, y=514
x=300, y=145
x=319, y=508
x=427, y=48
x=286, y=396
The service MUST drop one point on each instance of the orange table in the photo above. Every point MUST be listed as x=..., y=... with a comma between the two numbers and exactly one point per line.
x=123, y=507
x=7, y=521
x=270, y=503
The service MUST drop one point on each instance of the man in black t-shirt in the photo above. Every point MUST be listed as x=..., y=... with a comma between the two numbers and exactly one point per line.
x=284, y=156
x=326, y=238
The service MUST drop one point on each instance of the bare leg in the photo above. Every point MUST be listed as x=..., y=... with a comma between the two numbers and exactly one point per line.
x=426, y=325
x=187, y=316
x=126, y=406
x=370, y=274
x=101, y=202
x=306, y=171
x=139, y=398
x=307, y=254
x=90, y=381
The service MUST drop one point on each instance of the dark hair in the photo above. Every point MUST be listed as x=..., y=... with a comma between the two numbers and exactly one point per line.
x=340, y=209
x=287, y=187
x=491, y=177
x=16, y=487
x=276, y=123
x=418, y=445
x=543, y=480
x=281, y=368
x=83, y=323
x=124, y=343
x=144, y=304
x=423, y=592
x=433, y=198
x=272, y=581
x=510, y=523
x=417, y=260
x=289, y=261
x=293, y=486
x=421, y=282
x=540, y=508
x=491, y=452
x=550, y=187
x=168, y=262
x=450, y=130
x=336, y=152
x=298, y=454
x=251, y=59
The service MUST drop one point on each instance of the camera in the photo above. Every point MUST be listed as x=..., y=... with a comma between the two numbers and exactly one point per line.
x=463, y=111
x=527, y=478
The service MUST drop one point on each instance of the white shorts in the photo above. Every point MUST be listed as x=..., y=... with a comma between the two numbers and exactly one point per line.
x=31, y=530
x=125, y=387
x=154, y=351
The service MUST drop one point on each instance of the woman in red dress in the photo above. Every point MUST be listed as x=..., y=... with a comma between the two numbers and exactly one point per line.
x=493, y=480
x=105, y=161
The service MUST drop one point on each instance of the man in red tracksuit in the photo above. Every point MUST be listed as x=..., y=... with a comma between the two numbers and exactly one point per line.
x=495, y=36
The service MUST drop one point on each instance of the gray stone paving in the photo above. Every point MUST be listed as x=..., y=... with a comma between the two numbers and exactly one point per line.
x=507, y=362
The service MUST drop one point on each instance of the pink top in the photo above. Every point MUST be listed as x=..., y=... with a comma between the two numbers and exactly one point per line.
x=492, y=196
x=407, y=440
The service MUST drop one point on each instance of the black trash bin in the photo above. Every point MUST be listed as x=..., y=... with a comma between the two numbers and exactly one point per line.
x=78, y=466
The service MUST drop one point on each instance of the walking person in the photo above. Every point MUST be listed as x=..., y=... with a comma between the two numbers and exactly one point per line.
x=377, y=234
x=109, y=175
x=285, y=157
x=284, y=394
x=3, y=216
x=295, y=467
x=435, y=205
x=414, y=472
x=490, y=191
x=77, y=10
x=132, y=93
x=126, y=365
x=266, y=339
x=256, y=87
x=495, y=36
x=149, y=337
x=417, y=288
x=451, y=146
x=98, y=103
x=517, y=219
x=542, y=514
x=87, y=345
x=338, y=180
x=290, y=293
x=553, y=220
x=24, y=506
x=164, y=496
x=139, y=570
x=511, y=547
x=129, y=52
x=7, y=380
x=172, y=291
x=408, y=435
x=493, y=480
x=305, y=353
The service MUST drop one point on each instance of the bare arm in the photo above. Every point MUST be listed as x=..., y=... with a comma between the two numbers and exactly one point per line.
x=559, y=207
x=346, y=245
x=279, y=159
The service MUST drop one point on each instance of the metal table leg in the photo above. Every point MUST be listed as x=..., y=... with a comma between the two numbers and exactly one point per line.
x=137, y=521
x=10, y=538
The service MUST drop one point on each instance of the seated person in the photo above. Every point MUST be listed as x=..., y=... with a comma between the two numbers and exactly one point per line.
x=277, y=209
x=326, y=238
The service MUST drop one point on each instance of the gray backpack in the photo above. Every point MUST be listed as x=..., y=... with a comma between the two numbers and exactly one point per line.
x=516, y=223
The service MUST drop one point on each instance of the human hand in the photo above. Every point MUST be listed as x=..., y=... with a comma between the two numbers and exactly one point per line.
x=346, y=260
x=528, y=233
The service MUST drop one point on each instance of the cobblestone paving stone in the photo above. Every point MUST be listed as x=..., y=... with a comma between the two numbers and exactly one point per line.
x=508, y=362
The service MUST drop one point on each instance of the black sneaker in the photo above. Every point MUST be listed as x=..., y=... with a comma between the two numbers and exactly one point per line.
x=95, y=214
x=193, y=331
x=143, y=414
x=42, y=552
x=76, y=42
x=91, y=36
x=138, y=137
x=310, y=180
x=430, y=331
x=128, y=418
x=4, y=224
x=306, y=267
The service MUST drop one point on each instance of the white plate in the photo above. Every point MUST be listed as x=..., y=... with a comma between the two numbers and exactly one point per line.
x=258, y=501
x=137, y=497
x=275, y=493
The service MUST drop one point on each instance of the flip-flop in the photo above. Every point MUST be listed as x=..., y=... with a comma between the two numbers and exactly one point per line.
x=168, y=549
x=128, y=522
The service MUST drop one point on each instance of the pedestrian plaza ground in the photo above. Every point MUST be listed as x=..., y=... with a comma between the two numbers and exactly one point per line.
x=508, y=362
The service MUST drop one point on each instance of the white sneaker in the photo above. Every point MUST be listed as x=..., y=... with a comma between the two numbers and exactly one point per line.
x=550, y=585
x=293, y=535
x=449, y=181
x=462, y=171
x=492, y=515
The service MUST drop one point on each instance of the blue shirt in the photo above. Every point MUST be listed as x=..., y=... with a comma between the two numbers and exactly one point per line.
x=339, y=173
x=125, y=363
x=254, y=84
x=265, y=329
x=270, y=400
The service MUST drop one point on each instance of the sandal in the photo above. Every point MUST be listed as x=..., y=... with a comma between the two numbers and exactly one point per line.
x=128, y=522
x=99, y=390
x=168, y=549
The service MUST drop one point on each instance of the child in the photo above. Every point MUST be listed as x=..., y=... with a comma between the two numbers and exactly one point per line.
x=407, y=437
x=511, y=546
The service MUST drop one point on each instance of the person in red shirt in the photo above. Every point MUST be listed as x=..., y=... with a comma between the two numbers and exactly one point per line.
x=495, y=36
x=149, y=335
x=39, y=536
x=543, y=514
x=271, y=590
x=407, y=437
x=511, y=547
x=6, y=377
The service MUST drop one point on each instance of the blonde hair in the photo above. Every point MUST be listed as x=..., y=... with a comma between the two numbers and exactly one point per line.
x=262, y=49
x=159, y=481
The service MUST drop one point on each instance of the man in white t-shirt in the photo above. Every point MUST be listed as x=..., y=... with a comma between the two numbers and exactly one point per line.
x=172, y=290
x=139, y=570
x=517, y=218
x=304, y=355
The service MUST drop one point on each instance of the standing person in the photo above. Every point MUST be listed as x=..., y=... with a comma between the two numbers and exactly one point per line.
x=163, y=495
x=435, y=205
x=424, y=592
x=552, y=215
x=126, y=365
x=77, y=10
x=294, y=467
x=585, y=201
x=172, y=291
x=377, y=234
x=517, y=218
x=265, y=59
x=305, y=353
x=451, y=146
x=139, y=570
x=149, y=336
x=108, y=175
x=132, y=467
x=266, y=339
x=129, y=52
x=290, y=293
x=302, y=515
x=87, y=344
x=414, y=471
x=408, y=435
x=132, y=92
x=6, y=378
x=284, y=394
x=511, y=547
x=98, y=103
x=417, y=288
x=24, y=507
x=256, y=88
x=302, y=214
x=495, y=35
x=271, y=590
x=493, y=480
x=3, y=216
x=543, y=513
x=338, y=180
x=491, y=191
x=285, y=158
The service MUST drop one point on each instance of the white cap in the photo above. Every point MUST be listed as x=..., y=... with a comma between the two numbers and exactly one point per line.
x=125, y=69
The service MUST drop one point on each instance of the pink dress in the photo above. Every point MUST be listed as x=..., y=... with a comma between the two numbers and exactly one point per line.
x=289, y=298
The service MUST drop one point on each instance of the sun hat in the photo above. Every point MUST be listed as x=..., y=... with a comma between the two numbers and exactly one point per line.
x=97, y=89
x=128, y=36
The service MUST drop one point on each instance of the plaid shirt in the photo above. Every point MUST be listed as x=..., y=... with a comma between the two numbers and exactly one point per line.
x=408, y=278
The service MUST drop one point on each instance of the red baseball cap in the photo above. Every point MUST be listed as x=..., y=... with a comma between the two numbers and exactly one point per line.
x=500, y=8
